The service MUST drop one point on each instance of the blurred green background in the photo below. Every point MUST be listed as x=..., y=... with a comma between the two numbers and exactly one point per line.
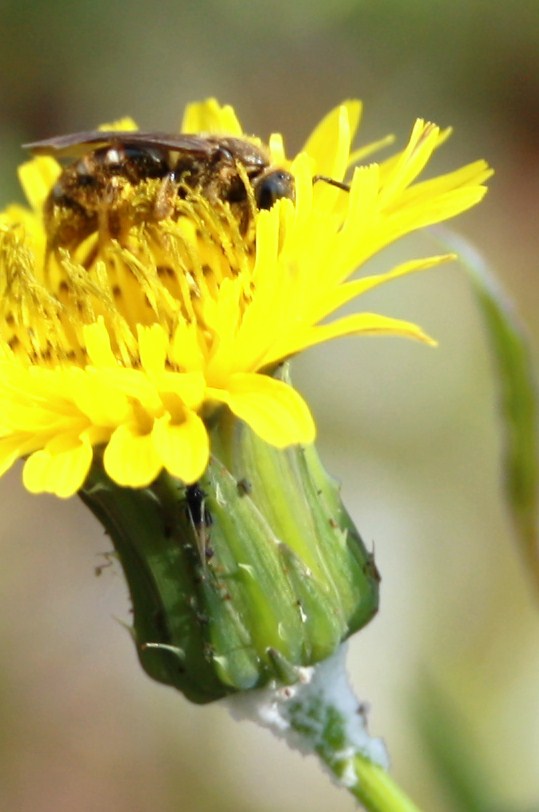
x=411, y=432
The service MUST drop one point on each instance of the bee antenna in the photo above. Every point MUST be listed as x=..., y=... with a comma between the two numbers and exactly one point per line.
x=332, y=182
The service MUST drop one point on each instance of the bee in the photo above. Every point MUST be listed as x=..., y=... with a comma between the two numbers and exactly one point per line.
x=87, y=195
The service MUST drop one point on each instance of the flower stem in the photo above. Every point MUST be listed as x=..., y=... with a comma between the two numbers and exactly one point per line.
x=320, y=714
x=368, y=781
x=377, y=791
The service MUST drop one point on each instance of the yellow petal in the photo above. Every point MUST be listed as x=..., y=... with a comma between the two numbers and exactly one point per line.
x=273, y=409
x=362, y=324
x=153, y=345
x=329, y=143
x=210, y=117
x=412, y=161
x=190, y=387
x=131, y=459
x=184, y=447
x=125, y=124
x=60, y=468
x=186, y=350
x=99, y=402
x=332, y=300
x=37, y=178
x=10, y=451
x=97, y=341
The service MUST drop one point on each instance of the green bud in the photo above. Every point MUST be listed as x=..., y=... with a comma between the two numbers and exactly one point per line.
x=245, y=577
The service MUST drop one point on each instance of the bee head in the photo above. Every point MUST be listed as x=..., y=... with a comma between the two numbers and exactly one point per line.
x=271, y=186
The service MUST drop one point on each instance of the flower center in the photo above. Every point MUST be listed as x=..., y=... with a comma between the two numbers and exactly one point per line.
x=164, y=270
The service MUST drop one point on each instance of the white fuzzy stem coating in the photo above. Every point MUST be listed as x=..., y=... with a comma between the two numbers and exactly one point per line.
x=318, y=714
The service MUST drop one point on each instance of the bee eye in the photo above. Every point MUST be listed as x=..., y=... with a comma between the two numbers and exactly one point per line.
x=271, y=187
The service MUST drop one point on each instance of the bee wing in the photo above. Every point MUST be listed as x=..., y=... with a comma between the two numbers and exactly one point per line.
x=76, y=144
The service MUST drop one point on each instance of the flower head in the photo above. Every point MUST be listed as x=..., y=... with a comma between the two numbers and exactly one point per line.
x=127, y=336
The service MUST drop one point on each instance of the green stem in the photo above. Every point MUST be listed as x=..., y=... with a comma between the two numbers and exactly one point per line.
x=377, y=791
x=367, y=781
x=321, y=715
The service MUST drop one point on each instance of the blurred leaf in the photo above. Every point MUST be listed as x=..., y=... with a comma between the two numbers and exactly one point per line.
x=451, y=750
x=516, y=382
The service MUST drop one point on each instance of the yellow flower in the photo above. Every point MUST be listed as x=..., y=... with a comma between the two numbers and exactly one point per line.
x=130, y=346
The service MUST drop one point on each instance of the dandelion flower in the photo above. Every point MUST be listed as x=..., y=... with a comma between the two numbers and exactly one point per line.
x=129, y=344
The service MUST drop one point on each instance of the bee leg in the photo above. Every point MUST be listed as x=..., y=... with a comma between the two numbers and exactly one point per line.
x=164, y=206
x=108, y=217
